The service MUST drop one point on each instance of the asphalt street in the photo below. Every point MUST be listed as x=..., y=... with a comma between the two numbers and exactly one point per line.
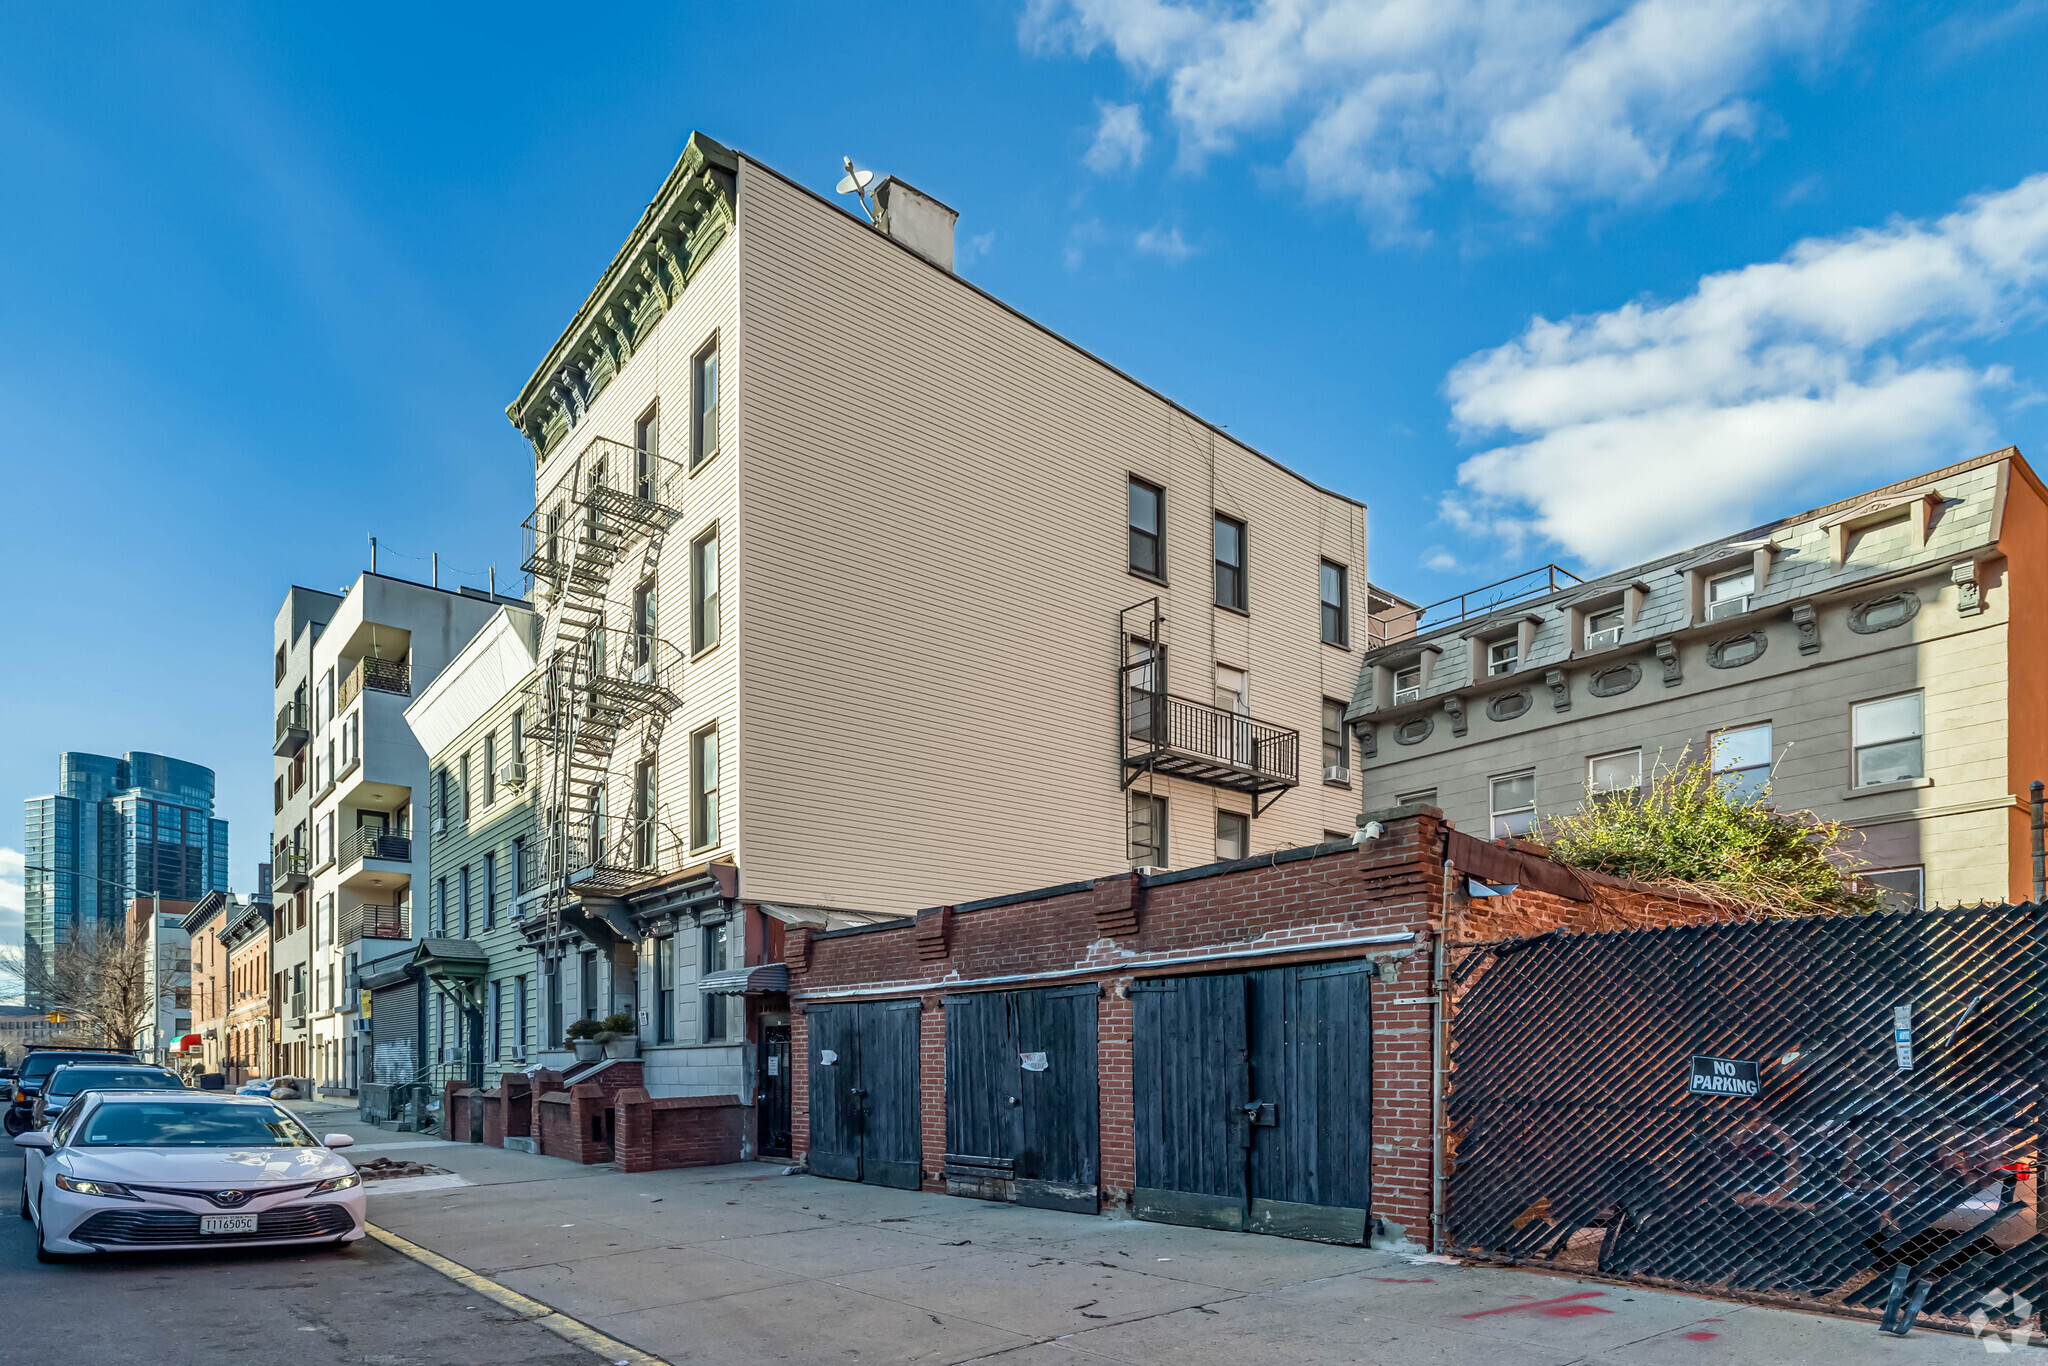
x=369, y=1306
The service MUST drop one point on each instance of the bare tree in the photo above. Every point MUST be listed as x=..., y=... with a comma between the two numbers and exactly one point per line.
x=98, y=980
x=13, y=972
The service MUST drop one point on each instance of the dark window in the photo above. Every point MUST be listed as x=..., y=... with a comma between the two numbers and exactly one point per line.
x=490, y=769
x=715, y=1010
x=1233, y=834
x=1147, y=504
x=643, y=812
x=665, y=990
x=554, y=990
x=463, y=766
x=646, y=447
x=643, y=629
x=1336, y=753
x=589, y=987
x=462, y=892
x=280, y=664
x=1229, y=563
x=704, y=788
x=490, y=890
x=704, y=440
x=1148, y=830
x=1336, y=617
x=704, y=592
x=519, y=1016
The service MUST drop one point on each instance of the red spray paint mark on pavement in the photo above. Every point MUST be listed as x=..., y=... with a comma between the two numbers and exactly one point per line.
x=1701, y=1336
x=1396, y=1280
x=1560, y=1308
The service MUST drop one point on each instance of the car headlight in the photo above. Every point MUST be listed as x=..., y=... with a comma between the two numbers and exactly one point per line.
x=108, y=1190
x=338, y=1183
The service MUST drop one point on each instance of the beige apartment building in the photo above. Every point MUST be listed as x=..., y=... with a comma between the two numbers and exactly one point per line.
x=863, y=592
x=1868, y=659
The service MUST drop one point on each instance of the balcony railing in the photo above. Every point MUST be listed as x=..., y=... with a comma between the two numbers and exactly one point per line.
x=1528, y=586
x=617, y=853
x=378, y=675
x=367, y=920
x=288, y=867
x=1213, y=745
x=528, y=872
x=611, y=493
x=367, y=843
x=291, y=728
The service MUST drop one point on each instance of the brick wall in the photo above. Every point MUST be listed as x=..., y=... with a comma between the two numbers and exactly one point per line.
x=575, y=1124
x=676, y=1131
x=1299, y=906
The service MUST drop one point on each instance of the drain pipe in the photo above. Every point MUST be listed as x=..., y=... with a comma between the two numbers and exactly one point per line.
x=1439, y=1020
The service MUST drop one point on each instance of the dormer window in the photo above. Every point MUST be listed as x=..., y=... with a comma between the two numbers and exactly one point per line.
x=1503, y=655
x=1408, y=685
x=1728, y=595
x=1604, y=628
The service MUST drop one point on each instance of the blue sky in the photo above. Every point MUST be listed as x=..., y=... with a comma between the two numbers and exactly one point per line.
x=1565, y=279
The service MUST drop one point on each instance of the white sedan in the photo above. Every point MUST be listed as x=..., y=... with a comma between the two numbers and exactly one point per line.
x=137, y=1169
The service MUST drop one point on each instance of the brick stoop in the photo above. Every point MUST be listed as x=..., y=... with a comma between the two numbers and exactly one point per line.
x=575, y=1124
x=676, y=1131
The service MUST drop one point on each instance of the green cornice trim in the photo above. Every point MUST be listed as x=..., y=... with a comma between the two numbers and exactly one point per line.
x=686, y=220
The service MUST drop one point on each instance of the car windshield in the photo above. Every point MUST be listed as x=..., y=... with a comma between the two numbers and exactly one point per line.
x=69, y=1081
x=40, y=1065
x=191, y=1124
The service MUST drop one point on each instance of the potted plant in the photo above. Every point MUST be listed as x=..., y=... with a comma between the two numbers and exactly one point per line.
x=583, y=1035
x=619, y=1035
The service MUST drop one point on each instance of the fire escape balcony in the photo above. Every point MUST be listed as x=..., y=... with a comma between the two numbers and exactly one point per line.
x=610, y=494
x=1207, y=744
x=610, y=680
x=607, y=857
x=291, y=729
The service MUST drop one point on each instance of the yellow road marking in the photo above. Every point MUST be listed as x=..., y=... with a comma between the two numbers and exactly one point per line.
x=560, y=1324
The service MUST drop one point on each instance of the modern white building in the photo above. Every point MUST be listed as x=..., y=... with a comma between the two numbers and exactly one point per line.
x=366, y=771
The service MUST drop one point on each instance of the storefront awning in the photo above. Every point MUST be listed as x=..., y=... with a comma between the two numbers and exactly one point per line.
x=189, y=1044
x=759, y=980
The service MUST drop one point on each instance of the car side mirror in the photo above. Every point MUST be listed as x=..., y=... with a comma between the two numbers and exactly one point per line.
x=35, y=1138
x=332, y=1140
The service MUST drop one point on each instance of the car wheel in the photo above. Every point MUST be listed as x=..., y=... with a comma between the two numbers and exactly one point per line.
x=16, y=1123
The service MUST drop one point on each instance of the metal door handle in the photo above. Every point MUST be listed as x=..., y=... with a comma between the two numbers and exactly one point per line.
x=1013, y=1100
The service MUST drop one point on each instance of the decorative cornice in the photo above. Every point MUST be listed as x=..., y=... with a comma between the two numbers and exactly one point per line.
x=685, y=222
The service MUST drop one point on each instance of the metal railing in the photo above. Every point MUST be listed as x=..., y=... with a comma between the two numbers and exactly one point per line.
x=288, y=861
x=527, y=872
x=367, y=920
x=618, y=852
x=378, y=675
x=610, y=491
x=291, y=726
x=1527, y=586
x=1215, y=735
x=367, y=843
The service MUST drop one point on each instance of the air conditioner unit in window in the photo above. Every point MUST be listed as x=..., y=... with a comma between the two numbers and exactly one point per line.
x=1598, y=639
x=1336, y=773
x=643, y=673
x=512, y=774
x=439, y=827
x=1727, y=607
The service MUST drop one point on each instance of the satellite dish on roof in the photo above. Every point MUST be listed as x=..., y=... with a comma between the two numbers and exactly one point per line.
x=856, y=183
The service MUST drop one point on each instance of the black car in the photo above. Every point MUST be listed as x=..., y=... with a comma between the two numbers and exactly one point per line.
x=73, y=1079
x=36, y=1069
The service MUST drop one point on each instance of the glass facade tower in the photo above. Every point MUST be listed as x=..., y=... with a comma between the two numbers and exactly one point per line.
x=139, y=825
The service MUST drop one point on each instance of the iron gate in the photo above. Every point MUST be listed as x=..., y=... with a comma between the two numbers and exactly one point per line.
x=771, y=1089
x=864, y=1093
x=1022, y=1097
x=1842, y=1109
x=1253, y=1100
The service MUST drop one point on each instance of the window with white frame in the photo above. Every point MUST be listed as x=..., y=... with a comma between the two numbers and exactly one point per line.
x=1620, y=771
x=1511, y=802
x=1148, y=830
x=1420, y=797
x=1888, y=738
x=1503, y=655
x=1336, y=756
x=1903, y=889
x=1728, y=594
x=1742, y=760
x=1408, y=684
x=1233, y=834
x=1603, y=628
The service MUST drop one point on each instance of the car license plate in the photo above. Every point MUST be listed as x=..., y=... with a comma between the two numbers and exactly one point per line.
x=227, y=1223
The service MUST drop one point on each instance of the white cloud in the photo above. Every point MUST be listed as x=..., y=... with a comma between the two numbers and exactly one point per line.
x=1657, y=425
x=1164, y=242
x=973, y=248
x=1539, y=100
x=1120, y=139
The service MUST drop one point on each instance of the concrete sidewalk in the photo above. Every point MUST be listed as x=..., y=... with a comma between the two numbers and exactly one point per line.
x=741, y=1263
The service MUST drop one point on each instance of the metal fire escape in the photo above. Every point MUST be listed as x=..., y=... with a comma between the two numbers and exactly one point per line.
x=593, y=681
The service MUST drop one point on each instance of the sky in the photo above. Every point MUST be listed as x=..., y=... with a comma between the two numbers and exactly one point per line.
x=1538, y=280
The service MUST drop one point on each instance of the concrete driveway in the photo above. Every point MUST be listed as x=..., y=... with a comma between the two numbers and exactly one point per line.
x=729, y=1264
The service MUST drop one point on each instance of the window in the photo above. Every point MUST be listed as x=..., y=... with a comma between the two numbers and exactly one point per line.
x=1603, y=628
x=587, y=971
x=490, y=769
x=704, y=440
x=440, y=905
x=1336, y=593
x=704, y=788
x=1229, y=563
x=519, y=742
x=665, y=989
x=554, y=990
x=1888, y=740
x=643, y=632
x=280, y=666
x=646, y=447
x=1408, y=685
x=277, y=795
x=1233, y=834
x=490, y=891
x=1148, y=831
x=462, y=892
x=715, y=1011
x=1503, y=655
x=497, y=1020
x=1422, y=797
x=1728, y=594
x=1147, y=502
x=1336, y=752
x=1621, y=771
x=1512, y=803
x=462, y=767
x=441, y=794
x=704, y=592
x=519, y=1016
x=1904, y=889
x=1742, y=760
x=643, y=812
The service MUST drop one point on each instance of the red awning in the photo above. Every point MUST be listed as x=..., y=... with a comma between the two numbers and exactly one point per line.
x=188, y=1044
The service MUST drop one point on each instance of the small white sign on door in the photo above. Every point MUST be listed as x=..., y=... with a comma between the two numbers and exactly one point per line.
x=826, y=1057
x=774, y=1065
x=1033, y=1062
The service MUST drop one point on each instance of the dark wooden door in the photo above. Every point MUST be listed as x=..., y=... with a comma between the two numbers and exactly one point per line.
x=835, y=1149
x=1253, y=1100
x=892, y=1146
x=772, y=1086
x=1022, y=1093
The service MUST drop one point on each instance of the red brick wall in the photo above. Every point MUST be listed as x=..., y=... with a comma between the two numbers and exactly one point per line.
x=677, y=1131
x=572, y=1124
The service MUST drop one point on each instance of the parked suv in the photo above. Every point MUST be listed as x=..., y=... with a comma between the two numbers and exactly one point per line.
x=74, y=1079
x=36, y=1069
